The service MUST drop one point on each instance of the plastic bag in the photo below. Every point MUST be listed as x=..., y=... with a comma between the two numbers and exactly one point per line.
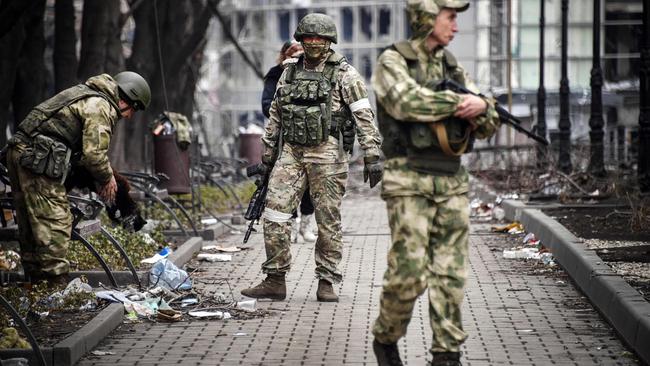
x=165, y=273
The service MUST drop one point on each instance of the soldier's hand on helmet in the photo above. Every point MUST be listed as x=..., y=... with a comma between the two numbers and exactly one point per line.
x=470, y=107
x=107, y=191
x=373, y=170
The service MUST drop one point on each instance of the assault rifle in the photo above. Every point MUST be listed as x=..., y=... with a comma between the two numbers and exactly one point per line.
x=504, y=115
x=258, y=201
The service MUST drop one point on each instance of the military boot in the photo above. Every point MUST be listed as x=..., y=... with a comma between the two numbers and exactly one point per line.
x=273, y=287
x=387, y=354
x=325, y=292
x=446, y=359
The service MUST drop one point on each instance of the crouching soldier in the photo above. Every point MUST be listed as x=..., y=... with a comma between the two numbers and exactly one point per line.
x=73, y=127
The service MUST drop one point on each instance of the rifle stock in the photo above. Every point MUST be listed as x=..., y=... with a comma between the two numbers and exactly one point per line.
x=504, y=115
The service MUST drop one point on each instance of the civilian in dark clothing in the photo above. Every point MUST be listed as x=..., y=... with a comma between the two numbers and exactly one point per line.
x=290, y=50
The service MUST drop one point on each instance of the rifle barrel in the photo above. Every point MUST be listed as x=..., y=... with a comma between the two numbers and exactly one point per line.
x=504, y=115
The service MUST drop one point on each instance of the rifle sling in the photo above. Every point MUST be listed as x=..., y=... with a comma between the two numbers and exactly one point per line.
x=438, y=128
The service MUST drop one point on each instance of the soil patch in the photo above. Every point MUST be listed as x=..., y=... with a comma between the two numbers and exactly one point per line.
x=58, y=325
x=604, y=223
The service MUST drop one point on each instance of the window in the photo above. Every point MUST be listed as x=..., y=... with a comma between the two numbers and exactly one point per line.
x=348, y=23
x=384, y=22
x=284, y=25
x=366, y=23
x=622, y=39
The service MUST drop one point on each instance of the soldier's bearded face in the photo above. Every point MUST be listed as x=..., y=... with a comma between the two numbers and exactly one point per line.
x=315, y=47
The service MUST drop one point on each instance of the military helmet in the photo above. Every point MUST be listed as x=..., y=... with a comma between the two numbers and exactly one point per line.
x=316, y=24
x=134, y=89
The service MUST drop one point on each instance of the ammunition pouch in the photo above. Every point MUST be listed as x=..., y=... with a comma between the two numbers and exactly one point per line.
x=343, y=128
x=304, y=124
x=46, y=156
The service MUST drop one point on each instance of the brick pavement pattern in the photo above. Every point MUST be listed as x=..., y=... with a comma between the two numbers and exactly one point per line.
x=512, y=317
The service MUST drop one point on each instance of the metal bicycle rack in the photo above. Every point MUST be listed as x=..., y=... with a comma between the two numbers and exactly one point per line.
x=23, y=326
x=88, y=209
x=147, y=184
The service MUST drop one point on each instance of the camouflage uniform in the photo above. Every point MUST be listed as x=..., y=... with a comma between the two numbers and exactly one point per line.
x=324, y=167
x=428, y=212
x=42, y=208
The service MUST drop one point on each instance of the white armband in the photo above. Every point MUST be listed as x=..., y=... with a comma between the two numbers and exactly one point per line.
x=359, y=104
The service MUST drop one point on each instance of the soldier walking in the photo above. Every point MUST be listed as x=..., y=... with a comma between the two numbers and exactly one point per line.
x=73, y=127
x=320, y=103
x=425, y=186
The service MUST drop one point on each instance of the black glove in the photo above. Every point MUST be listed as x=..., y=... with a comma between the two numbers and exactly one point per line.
x=261, y=169
x=373, y=170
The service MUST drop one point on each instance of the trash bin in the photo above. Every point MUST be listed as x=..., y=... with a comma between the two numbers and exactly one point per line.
x=172, y=161
x=250, y=147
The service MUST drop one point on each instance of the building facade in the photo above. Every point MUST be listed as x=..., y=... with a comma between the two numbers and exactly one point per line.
x=230, y=92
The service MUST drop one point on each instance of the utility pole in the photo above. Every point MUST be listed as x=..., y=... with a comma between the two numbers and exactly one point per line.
x=509, y=66
x=542, y=151
x=643, y=161
x=564, y=159
x=596, y=164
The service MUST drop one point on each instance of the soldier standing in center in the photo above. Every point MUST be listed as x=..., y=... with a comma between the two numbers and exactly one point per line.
x=320, y=103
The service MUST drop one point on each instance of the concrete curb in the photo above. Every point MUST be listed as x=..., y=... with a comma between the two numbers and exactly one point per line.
x=623, y=307
x=210, y=233
x=71, y=349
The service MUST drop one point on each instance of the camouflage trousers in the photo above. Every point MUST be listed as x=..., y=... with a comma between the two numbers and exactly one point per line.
x=43, y=217
x=287, y=183
x=430, y=248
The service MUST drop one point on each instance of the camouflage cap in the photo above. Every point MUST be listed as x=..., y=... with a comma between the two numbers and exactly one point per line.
x=422, y=13
x=434, y=6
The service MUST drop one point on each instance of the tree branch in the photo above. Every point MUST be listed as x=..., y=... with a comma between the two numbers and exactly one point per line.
x=214, y=7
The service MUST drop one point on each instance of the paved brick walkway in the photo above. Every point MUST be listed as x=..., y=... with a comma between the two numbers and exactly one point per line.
x=514, y=314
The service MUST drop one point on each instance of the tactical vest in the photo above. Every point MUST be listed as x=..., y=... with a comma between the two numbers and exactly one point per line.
x=305, y=104
x=427, y=152
x=66, y=130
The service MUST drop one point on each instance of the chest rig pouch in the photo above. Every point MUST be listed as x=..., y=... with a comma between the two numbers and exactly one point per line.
x=306, y=104
x=433, y=148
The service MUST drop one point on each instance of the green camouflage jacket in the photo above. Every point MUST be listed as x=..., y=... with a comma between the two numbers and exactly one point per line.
x=404, y=99
x=99, y=117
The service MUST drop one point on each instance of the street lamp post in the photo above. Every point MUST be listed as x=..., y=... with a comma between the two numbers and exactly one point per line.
x=564, y=159
x=541, y=94
x=596, y=164
x=643, y=164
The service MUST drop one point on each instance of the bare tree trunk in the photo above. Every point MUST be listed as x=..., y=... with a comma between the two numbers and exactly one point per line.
x=65, y=40
x=11, y=42
x=181, y=31
x=98, y=32
x=30, y=83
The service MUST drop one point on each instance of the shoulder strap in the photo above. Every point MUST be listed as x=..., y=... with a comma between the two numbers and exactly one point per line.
x=451, y=67
x=291, y=70
x=336, y=58
x=404, y=48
